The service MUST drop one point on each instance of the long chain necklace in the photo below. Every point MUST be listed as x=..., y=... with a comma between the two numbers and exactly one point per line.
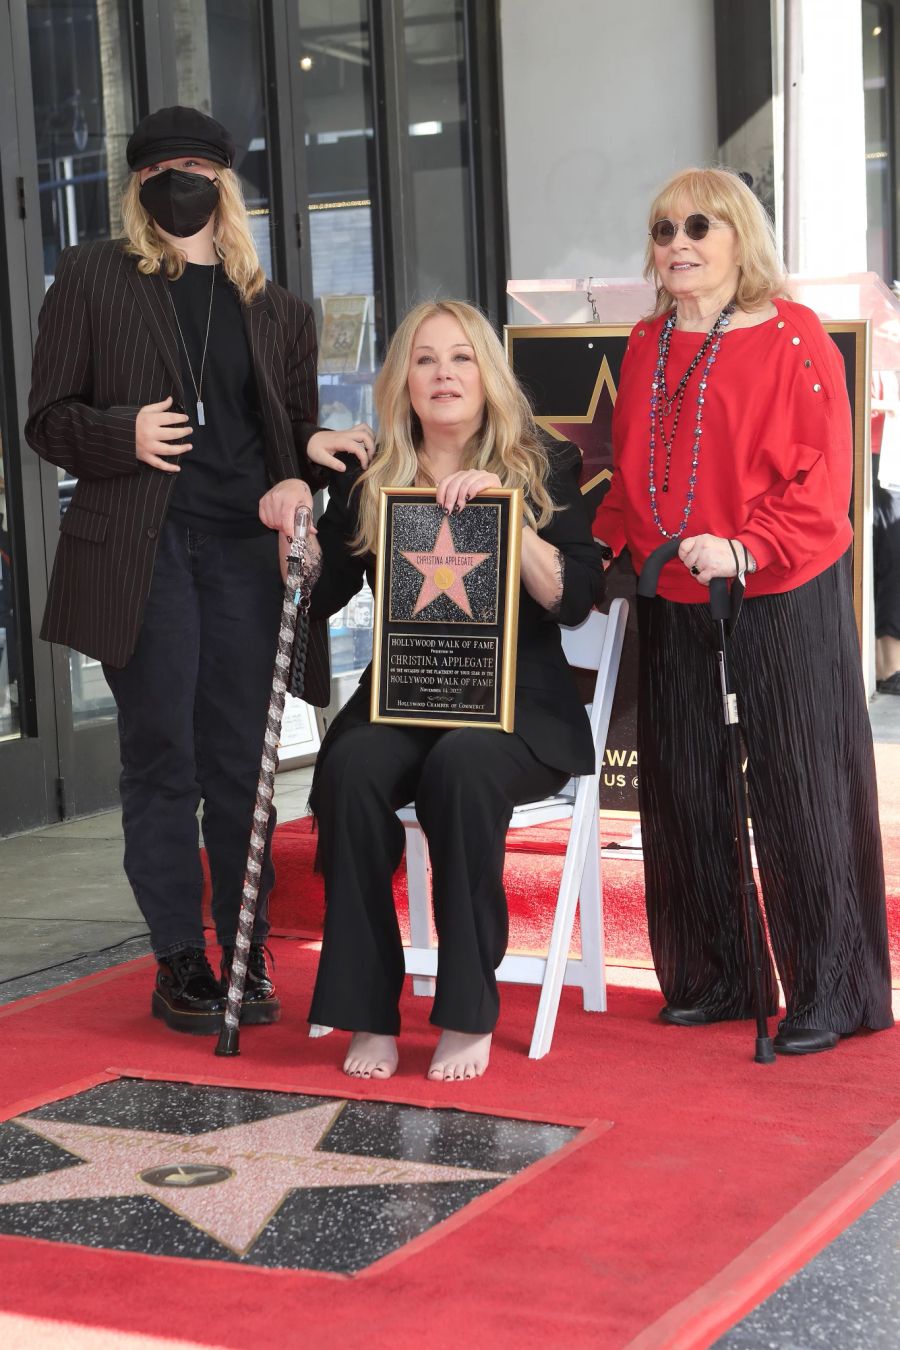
x=662, y=405
x=198, y=384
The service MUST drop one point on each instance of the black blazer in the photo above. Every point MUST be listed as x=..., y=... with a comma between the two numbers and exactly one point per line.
x=549, y=714
x=107, y=345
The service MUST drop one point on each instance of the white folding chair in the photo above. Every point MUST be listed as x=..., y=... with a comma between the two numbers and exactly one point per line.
x=595, y=644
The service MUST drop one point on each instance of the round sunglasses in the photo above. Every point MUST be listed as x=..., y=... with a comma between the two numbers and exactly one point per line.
x=695, y=227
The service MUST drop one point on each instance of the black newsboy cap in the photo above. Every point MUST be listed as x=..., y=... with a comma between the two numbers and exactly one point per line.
x=170, y=133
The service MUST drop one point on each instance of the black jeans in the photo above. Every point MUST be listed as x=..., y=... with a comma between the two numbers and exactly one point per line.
x=192, y=714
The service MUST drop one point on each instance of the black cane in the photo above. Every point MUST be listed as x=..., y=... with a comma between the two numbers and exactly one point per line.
x=649, y=578
x=720, y=610
x=229, y=1036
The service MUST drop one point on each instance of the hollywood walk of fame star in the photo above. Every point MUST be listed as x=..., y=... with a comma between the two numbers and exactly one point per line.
x=228, y=1182
x=443, y=569
x=591, y=432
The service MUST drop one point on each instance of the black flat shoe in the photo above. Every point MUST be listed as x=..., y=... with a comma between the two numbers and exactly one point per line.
x=889, y=686
x=688, y=1017
x=261, y=1004
x=188, y=997
x=805, y=1041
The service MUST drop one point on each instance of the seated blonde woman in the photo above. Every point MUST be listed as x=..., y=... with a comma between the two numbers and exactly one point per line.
x=452, y=417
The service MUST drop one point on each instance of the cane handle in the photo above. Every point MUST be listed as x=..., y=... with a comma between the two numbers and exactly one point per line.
x=647, y=581
x=302, y=521
x=719, y=599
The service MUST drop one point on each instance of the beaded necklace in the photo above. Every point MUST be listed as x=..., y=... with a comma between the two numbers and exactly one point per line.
x=662, y=404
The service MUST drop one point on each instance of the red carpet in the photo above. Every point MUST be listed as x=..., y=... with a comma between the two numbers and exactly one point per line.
x=534, y=863
x=706, y=1152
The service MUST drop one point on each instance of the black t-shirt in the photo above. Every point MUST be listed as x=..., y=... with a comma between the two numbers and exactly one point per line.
x=223, y=477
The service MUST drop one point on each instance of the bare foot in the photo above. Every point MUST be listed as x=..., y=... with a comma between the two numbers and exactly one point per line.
x=371, y=1056
x=459, y=1055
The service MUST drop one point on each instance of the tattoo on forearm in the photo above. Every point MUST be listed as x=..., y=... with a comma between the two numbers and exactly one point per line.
x=313, y=565
x=556, y=601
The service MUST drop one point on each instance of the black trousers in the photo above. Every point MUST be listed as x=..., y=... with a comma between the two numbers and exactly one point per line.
x=886, y=556
x=811, y=781
x=465, y=784
x=192, y=714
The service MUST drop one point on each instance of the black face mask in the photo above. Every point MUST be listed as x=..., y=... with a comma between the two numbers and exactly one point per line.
x=180, y=203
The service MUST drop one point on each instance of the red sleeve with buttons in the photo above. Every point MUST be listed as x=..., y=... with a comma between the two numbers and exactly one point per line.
x=776, y=452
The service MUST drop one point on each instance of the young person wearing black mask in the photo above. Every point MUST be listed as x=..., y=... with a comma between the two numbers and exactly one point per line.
x=179, y=386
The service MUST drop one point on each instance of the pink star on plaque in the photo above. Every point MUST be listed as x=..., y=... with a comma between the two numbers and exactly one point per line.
x=229, y=1182
x=443, y=569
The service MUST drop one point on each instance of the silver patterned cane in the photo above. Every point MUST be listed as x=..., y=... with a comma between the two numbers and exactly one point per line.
x=296, y=600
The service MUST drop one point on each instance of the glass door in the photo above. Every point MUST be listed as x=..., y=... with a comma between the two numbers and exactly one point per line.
x=27, y=722
x=11, y=677
x=82, y=104
x=439, y=138
x=333, y=70
x=29, y=765
x=219, y=69
x=878, y=86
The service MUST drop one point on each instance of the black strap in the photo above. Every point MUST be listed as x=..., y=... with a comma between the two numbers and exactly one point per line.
x=737, y=565
x=297, y=677
x=309, y=677
x=737, y=597
x=737, y=590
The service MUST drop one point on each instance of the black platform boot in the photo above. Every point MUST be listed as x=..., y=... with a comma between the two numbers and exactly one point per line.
x=261, y=1003
x=187, y=996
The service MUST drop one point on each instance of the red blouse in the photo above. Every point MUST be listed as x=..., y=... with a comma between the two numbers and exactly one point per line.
x=776, y=452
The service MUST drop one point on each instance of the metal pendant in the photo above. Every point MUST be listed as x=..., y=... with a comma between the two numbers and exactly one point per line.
x=201, y=416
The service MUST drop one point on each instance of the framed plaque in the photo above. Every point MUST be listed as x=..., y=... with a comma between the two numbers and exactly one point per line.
x=446, y=610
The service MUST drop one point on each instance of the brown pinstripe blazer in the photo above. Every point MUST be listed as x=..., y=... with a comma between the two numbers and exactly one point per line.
x=107, y=345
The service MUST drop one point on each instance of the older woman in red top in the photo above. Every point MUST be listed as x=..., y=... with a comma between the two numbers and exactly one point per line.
x=732, y=431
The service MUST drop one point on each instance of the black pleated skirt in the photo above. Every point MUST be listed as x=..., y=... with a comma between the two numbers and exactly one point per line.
x=813, y=801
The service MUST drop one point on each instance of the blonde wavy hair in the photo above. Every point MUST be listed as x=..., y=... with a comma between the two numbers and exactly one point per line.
x=722, y=195
x=508, y=442
x=232, y=239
